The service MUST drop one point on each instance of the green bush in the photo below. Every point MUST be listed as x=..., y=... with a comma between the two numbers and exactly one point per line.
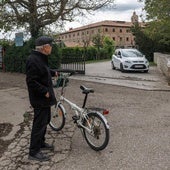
x=15, y=57
x=90, y=53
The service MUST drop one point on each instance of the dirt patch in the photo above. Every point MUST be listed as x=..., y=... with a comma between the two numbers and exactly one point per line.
x=9, y=80
x=5, y=129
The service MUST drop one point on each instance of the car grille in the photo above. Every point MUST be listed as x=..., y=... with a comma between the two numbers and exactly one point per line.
x=138, y=61
x=138, y=66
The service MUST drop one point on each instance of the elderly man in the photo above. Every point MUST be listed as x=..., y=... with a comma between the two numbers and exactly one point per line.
x=41, y=95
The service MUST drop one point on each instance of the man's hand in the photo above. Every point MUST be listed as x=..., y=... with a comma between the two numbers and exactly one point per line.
x=57, y=74
x=47, y=95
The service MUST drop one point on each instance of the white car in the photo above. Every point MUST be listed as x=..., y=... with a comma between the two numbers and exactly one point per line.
x=129, y=60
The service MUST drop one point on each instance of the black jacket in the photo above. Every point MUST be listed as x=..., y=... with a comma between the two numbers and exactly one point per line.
x=39, y=80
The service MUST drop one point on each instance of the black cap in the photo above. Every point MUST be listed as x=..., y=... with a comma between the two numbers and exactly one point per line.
x=43, y=40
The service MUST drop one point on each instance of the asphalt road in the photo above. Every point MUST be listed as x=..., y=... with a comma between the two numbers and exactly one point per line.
x=139, y=131
x=103, y=73
x=139, y=120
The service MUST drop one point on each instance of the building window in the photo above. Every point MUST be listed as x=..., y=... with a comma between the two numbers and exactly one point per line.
x=127, y=38
x=120, y=30
x=113, y=38
x=106, y=29
x=73, y=35
x=113, y=29
x=78, y=34
x=127, y=30
x=120, y=38
x=82, y=33
x=69, y=36
x=87, y=32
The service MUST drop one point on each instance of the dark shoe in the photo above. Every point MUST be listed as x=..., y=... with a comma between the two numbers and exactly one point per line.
x=39, y=157
x=47, y=146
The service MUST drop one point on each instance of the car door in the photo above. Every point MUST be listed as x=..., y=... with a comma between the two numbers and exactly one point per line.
x=117, y=59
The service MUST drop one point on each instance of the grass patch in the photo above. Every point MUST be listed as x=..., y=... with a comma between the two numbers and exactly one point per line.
x=152, y=63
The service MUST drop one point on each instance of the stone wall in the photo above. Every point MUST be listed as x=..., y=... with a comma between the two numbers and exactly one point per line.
x=163, y=64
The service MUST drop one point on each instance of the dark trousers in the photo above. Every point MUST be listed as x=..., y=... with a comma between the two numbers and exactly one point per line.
x=41, y=120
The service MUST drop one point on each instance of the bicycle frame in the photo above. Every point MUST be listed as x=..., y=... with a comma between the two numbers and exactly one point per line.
x=78, y=111
x=91, y=121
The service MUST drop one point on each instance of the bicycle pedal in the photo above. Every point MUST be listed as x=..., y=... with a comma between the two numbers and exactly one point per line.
x=75, y=118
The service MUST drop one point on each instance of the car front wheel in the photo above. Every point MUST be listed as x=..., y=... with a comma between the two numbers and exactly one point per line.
x=121, y=67
x=113, y=66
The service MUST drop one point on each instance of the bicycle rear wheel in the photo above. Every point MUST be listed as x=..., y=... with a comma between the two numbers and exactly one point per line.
x=57, y=117
x=98, y=136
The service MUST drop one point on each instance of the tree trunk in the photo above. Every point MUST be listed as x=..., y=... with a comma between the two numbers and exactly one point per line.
x=34, y=30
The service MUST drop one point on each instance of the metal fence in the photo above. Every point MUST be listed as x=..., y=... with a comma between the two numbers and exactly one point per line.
x=76, y=64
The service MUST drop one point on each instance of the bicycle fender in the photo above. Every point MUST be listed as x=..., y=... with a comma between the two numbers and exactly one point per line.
x=104, y=119
x=62, y=107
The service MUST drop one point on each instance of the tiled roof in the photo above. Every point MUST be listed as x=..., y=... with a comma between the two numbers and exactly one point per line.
x=103, y=23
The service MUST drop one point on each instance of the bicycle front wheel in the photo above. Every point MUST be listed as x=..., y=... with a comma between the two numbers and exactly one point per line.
x=96, y=132
x=57, y=117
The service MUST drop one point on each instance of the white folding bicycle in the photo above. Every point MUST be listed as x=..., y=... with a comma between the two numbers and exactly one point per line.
x=91, y=121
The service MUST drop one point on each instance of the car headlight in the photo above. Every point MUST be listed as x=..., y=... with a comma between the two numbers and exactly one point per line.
x=146, y=62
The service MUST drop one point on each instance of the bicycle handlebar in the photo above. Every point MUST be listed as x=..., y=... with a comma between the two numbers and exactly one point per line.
x=66, y=71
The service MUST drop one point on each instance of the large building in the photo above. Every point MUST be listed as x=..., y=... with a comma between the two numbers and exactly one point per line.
x=119, y=31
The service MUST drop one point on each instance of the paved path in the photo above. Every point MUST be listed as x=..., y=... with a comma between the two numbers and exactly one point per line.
x=102, y=73
x=139, y=122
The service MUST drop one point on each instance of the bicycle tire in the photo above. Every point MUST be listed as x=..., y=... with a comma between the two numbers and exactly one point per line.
x=58, y=119
x=96, y=131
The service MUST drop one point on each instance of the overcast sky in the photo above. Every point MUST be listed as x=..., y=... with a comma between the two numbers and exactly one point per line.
x=122, y=11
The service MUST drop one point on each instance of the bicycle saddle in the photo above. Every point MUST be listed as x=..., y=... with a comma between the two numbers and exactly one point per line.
x=86, y=90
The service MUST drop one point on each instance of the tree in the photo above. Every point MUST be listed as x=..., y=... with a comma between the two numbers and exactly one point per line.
x=158, y=29
x=144, y=43
x=97, y=40
x=109, y=45
x=104, y=45
x=35, y=15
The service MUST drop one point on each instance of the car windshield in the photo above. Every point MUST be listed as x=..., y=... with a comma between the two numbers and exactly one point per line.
x=131, y=53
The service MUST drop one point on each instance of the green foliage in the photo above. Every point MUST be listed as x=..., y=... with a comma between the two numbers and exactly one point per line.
x=109, y=46
x=98, y=41
x=4, y=43
x=158, y=29
x=55, y=57
x=15, y=57
x=143, y=42
x=157, y=10
x=90, y=53
x=105, y=46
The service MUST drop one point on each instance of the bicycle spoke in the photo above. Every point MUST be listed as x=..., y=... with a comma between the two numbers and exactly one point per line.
x=98, y=137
